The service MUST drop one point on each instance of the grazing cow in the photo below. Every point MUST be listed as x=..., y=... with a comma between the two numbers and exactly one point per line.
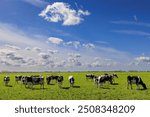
x=60, y=80
x=71, y=81
x=105, y=78
x=135, y=80
x=113, y=76
x=6, y=80
x=18, y=78
x=49, y=78
x=34, y=80
x=90, y=76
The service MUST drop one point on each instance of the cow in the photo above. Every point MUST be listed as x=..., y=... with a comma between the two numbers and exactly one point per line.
x=34, y=80
x=18, y=78
x=60, y=80
x=90, y=76
x=49, y=78
x=71, y=81
x=113, y=76
x=6, y=80
x=105, y=78
x=135, y=80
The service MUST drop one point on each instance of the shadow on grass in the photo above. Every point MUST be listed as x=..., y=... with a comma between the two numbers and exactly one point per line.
x=70, y=87
x=104, y=88
x=65, y=88
x=76, y=86
x=115, y=84
x=142, y=89
x=9, y=86
x=51, y=84
x=36, y=88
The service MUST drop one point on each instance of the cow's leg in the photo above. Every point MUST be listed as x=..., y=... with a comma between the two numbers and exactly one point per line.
x=131, y=85
x=138, y=86
x=128, y=86
x=100, y=85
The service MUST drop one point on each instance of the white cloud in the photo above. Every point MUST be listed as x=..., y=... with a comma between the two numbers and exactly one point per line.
x=89, y=46
x=52, y=51
x=37, y=3
x=12, y=47
x=55, y=40
x=74, y=59
x=143, y=59
x=75, y=44
x=37, y=49
x=102, y=62
x=17, y=48
x=44, y=55
x=60, y=11
x=28, y=48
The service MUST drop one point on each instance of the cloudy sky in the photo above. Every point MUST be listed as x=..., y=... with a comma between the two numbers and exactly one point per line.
x=74, y=35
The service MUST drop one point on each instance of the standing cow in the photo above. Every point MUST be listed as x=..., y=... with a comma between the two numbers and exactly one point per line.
x=50, y=78
x=71, y=81
x=6, y=80
x=18, y=78
x=34, y=80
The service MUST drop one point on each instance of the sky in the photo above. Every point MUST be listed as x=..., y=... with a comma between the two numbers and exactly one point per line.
x=74, y=35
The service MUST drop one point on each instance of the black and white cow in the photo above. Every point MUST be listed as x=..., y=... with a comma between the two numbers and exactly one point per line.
x=113, y=76
x=71, y=81
x=30, y=81
x=18, y=78
x=105, y=78
x=50, y=78
x=6, y=80
x=135, y=80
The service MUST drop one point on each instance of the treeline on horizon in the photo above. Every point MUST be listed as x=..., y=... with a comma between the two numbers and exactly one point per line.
x=66, y=71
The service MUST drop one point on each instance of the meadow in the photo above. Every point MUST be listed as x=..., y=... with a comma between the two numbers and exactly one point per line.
x=82, y=90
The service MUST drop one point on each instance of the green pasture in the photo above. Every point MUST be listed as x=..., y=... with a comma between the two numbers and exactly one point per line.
x=83, y=90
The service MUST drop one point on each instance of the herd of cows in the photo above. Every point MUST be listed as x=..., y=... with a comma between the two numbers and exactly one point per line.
x=30, y=81
x=100, y=80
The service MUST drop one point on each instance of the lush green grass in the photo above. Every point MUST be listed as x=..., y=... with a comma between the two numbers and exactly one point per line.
x=83, y=90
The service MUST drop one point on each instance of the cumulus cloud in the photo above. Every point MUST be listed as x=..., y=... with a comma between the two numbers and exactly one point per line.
x=55, y=40
x=11, y=58
x=28, y=48
x=44, y=55
x=73, y=59
x=75, y=44
x=143, y=59
x=60, y=11
x=52, y=51
x=13, y=47
x=37, y=49
x=102, y=62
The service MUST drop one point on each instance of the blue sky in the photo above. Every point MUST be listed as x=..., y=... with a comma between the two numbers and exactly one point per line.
x=74, y=35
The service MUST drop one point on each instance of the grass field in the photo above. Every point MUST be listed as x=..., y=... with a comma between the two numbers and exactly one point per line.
x=83, y=90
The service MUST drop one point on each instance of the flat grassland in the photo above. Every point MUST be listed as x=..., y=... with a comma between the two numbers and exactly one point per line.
x=82, y=90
